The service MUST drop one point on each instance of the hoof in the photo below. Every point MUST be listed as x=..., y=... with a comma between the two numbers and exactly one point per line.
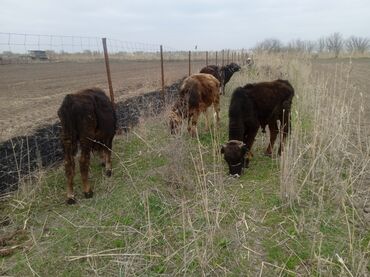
x=89, y=194
x=268, y=154
x=246, y=164
x=71, y=201
x=108, y=172
x=192, y=133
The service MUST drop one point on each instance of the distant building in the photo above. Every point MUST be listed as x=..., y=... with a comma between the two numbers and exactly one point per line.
x=38, y=55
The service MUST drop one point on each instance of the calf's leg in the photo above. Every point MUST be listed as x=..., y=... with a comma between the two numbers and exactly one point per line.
x=69, y=166
x=216, y=107
x=108, y=162
x=102, y=158
x=274, y=130
x=108, y=157
x=249, y=140
x=206, y=114
x=286, y=127
x=84, y=169
x=194, y=120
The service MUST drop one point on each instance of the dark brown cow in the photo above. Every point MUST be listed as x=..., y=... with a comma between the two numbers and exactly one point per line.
x=214, y=70
x=223, y=74
x=251, y=107
x=227, y=72
x=197, y=93
x=88, y=120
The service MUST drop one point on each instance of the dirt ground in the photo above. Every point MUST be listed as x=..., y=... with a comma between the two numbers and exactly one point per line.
x=30, y=94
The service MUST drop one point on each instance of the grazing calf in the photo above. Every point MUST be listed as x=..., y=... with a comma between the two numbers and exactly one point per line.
x=223, y=74
x=215, y=71
x=88, y=120
x=227, y=72
x=197, y=93
x=251, y=107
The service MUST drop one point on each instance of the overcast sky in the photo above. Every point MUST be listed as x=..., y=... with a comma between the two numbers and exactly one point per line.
x=210, y=24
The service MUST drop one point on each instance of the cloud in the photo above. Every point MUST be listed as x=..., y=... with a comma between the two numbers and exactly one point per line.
x=211, y=24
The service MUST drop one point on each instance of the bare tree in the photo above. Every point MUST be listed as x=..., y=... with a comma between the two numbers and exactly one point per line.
x=357, y=44
x=321, y=45
x=303, y=46
x=309, y=46
x=269, y=45
x=334, y=43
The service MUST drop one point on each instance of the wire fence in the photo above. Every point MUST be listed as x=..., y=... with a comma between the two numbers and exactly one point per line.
x=37, y=71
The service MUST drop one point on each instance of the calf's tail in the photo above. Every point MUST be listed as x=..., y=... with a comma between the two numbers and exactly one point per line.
x=69, y=135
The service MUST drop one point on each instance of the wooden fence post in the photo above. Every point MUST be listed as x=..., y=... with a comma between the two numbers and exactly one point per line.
x=108, y=70
x=162, y=70
x=206, y=58
x=216, y=59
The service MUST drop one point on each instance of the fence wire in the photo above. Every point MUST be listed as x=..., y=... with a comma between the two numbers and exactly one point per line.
x=37, y=71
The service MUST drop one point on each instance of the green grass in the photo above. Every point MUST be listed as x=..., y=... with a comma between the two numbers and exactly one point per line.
x=171, y=209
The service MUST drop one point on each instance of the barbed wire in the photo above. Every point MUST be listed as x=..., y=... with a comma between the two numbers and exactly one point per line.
x=19, y=43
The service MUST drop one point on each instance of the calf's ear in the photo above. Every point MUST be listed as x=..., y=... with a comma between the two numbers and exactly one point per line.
x=222, y=148
x=244, y=149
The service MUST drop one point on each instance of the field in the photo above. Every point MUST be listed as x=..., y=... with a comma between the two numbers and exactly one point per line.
x=170, y=209
x=32, y=93
x=359, y=77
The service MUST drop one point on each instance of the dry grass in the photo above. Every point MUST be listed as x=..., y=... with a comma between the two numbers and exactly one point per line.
x=170, y=209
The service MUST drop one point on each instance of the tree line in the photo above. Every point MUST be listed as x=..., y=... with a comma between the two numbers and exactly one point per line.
x=334, y=43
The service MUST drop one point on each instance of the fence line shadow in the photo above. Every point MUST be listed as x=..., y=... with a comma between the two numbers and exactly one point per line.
x=22, y=156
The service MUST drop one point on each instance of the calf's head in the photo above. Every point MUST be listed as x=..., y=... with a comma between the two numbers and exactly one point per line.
x=234, y=154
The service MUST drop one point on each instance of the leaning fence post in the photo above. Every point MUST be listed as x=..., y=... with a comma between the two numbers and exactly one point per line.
x=108, y=69
x=162, y=71
x=189, y=63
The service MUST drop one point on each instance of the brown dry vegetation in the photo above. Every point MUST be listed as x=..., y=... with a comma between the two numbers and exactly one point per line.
x=170, y=209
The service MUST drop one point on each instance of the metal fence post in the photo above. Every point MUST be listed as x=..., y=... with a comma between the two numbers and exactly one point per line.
x=189, y=63
x=162, y=70
x=108, y=70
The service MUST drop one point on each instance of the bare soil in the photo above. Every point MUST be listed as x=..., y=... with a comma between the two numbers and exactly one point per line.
x=30, y=94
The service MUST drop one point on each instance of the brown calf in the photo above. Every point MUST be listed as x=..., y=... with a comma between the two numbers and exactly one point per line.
x=197, y=93
x=251, y=107
x=88, y=120
x=223, y=74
